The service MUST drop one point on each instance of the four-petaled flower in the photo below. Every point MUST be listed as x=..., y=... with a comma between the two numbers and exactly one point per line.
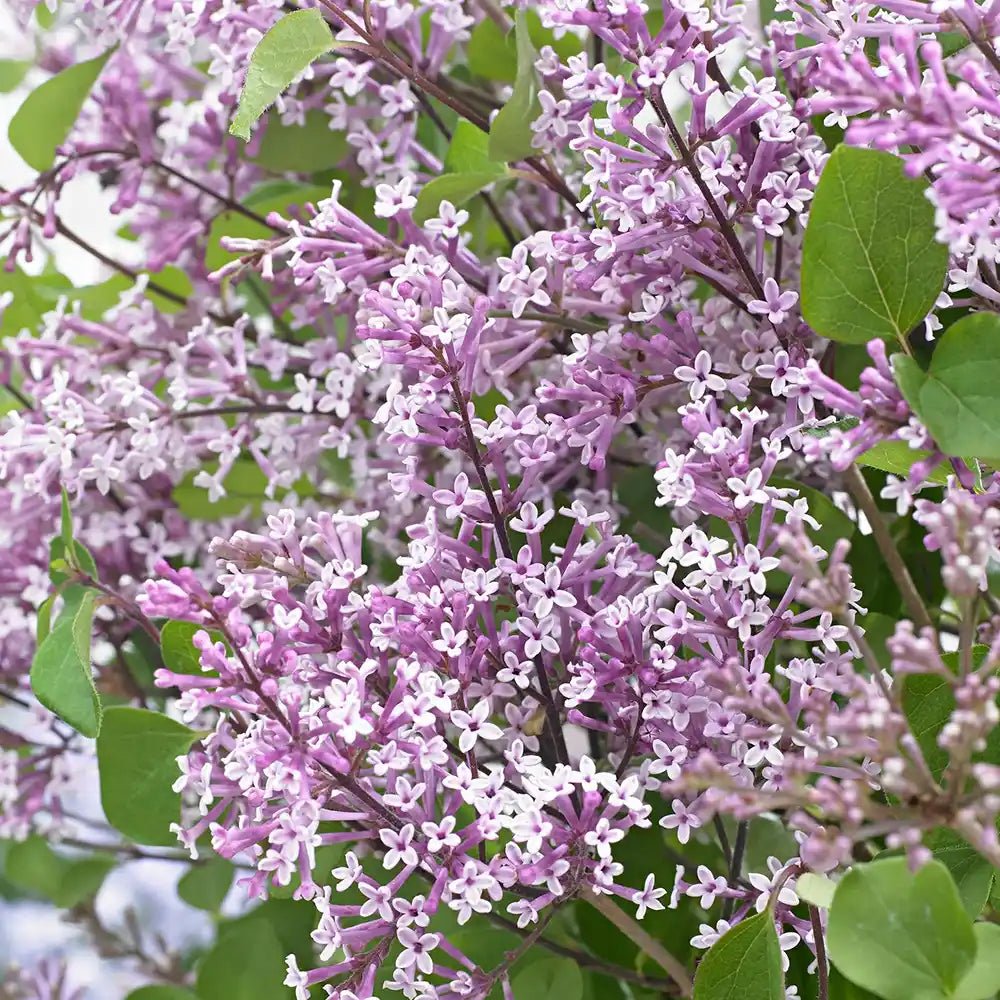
x=475, y=726
x=775, y=304
x=699, y=376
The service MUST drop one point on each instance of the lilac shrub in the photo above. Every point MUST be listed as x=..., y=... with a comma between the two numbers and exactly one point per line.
x=528, y=508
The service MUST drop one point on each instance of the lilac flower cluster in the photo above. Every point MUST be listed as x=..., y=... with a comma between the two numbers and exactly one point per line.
x=443, y=644
x=46, y=981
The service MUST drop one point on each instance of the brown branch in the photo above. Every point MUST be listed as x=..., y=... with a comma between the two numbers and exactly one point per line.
x=822, y=969
x=634, y=931
x=894, y=561
x=726, y=229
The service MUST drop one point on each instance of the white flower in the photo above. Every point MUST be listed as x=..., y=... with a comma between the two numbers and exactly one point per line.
x=648, y=898
x=296, y=978
x=682, y=819
x=474, y=726
x=700, y=377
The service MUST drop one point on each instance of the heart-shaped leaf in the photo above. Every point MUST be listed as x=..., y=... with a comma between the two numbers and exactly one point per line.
x=899, y=934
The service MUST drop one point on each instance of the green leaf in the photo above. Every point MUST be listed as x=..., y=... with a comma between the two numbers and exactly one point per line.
x=280, y=56
x=46, y=14
x=65, y=552
x=952, y=41
x=170, y=279
x=643, y=852
x=744, y=964
x=42, y=123
x=8, y=401
x=549, y=977
x=33, y=866
x=899, y=458
x=277, y=197
x=972, y=873
x=928, y=703
x=162, y=993
x=469, y=170
x=468, y=152
x=177, y=646
x=12, y=72
x=603, y=939
x=636, y=491
x=769, y=13
x=63, y=562
x=245, y=484
x=66, y=521
x=205, y=886
x=61, y=677
x=844, y=989
x=456, y=188
x=834, y=524
x=900, y=935
x=871, y=265
x=910, y=378
x=982, y=981
x=141, y=655
x=95, y=300
x=292, y=921
x=957, y=397
x=44, y=618
x=247, y=964
x=301, y=149
x=879, y=629
x=137, y=755
x=81, y=880
x=827, y=428
x=510, y=132
x=492, y=53
x=767, y=837
x=28, y=306
x=816, y=889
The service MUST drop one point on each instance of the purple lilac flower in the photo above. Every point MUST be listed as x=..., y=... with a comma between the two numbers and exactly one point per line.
x=440, y=586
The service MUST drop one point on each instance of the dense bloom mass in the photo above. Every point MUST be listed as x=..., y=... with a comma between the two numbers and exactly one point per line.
x=524, y=523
